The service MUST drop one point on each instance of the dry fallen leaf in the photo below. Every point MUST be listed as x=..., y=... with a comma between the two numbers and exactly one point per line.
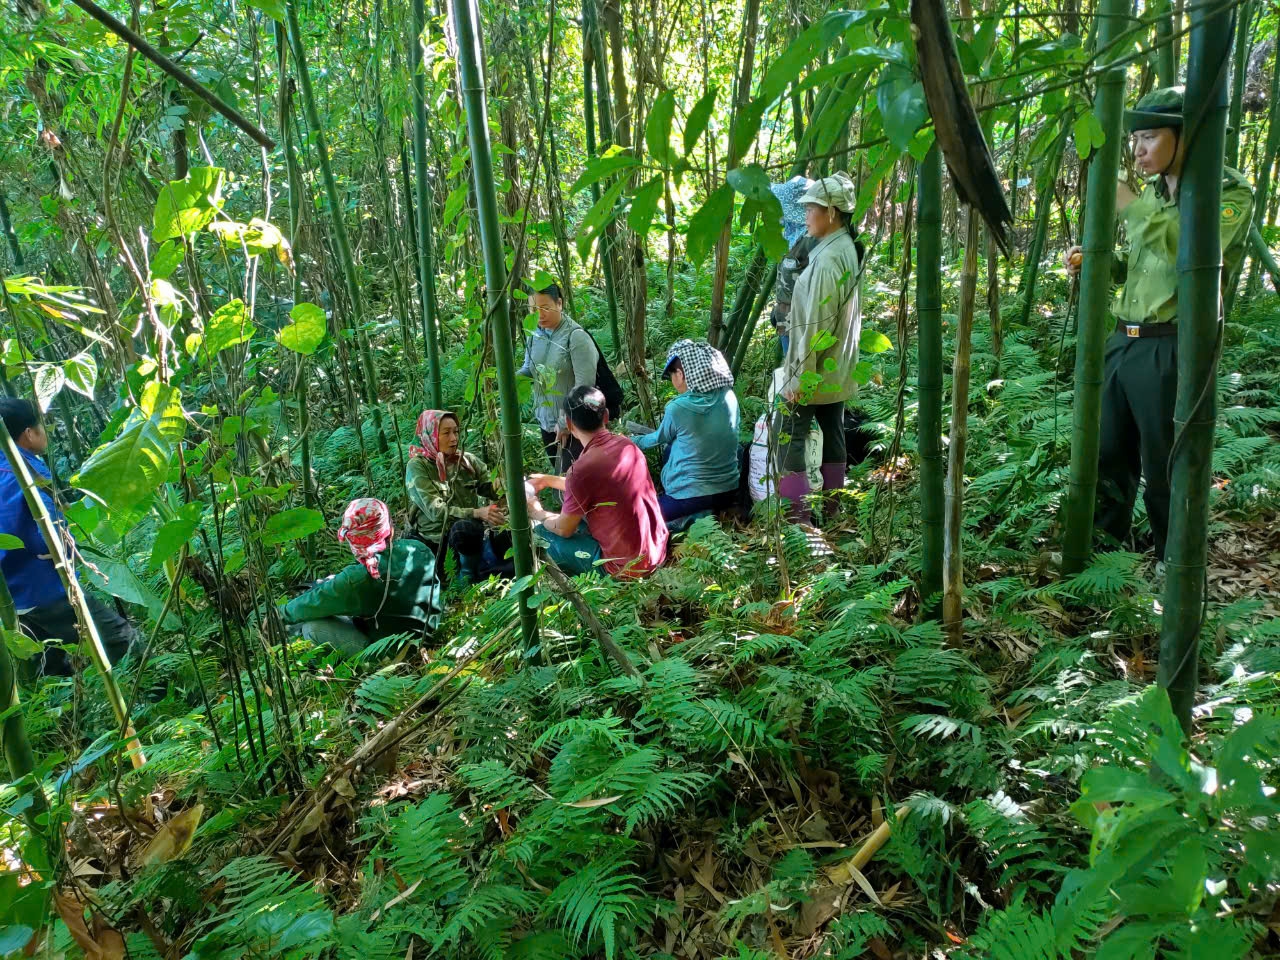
x=592, y=804
x=174, y=838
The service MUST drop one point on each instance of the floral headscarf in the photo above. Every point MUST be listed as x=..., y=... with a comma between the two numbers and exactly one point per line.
x=429, y=435
x=366, y=528
x=788, y=195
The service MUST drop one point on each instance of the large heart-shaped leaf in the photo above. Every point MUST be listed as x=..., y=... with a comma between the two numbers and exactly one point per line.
x=127, y=470
x=307, y=331
x=48, y=381
x=187, y=205
x=81, y=373
x=228, y=326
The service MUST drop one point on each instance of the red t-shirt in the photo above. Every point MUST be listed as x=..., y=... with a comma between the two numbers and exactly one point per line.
x=610, y=486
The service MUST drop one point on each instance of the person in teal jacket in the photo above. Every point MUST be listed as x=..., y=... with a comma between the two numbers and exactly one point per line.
x=392, y=588
x=700, y=430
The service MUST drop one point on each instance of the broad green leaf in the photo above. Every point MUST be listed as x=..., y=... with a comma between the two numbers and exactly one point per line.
x=873, y=341
x=307, y=331
x=228, y=326
x=127, y=470
x=9, y=542
x=644, y=205
x=116, y=578
x=272, y=8
x=81, y=373
x=1088, y=134
x=900, y=97
x=171, y=537
x=751, y=181
x=21, y=646
x=292, y=524
x=542, y=279
x=48, y=381
x=255, y=237
x=185, y=206
x=657, y=129
x=882, y=162
x=166, y=259
x=454, y=202
x=598, y=168
x=705, y=225
x=696, y=123
x=827, y=129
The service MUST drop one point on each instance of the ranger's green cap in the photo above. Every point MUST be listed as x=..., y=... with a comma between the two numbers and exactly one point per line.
x=1159, y=108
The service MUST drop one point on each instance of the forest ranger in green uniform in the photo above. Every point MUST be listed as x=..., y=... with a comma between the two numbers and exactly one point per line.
x=1141, y=372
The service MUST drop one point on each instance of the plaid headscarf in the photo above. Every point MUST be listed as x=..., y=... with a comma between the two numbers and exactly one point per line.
x=788, y=195
x=705, y=368
x=429, y=433
x=366, y=528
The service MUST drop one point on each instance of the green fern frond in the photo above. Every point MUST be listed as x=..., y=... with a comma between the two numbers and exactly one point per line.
x=599, y=901
x=935, y=726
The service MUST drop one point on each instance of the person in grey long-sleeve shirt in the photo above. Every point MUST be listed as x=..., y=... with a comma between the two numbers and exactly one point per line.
x=558, y=357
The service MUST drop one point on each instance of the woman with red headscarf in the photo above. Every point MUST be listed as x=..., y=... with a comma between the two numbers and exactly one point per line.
x=453, y=503
x=391, y=588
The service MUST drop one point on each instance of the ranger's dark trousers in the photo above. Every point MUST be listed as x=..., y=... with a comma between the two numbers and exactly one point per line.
x=1140, y=385
x=56, y=622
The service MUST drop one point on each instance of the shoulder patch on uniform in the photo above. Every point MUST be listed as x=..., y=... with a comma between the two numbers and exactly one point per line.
x=1231, y=211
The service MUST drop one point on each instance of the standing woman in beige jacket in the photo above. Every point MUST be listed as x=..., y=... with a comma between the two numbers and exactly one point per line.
x=826, y=322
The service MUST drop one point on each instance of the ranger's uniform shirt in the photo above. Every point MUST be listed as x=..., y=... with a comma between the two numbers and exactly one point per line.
x=1149, y=261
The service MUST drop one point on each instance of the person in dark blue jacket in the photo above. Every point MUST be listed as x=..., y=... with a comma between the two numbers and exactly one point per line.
x=44, y=612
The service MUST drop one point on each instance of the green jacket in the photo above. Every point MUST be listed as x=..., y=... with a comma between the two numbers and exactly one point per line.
x=825, y=322
x=434, y=503
x=405, y=599
x=1148, y=265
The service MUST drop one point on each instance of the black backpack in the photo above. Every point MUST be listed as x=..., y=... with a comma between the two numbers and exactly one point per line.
x=607, y=382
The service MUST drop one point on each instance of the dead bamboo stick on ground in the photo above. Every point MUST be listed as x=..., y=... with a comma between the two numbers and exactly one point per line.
x=589, y=619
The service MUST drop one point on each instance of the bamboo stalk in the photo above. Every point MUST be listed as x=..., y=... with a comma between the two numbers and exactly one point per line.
x=1095, y=301
x=1199, y=344
x=952, y=552
x=929, y=376
x=470, y=80
x=426, y=267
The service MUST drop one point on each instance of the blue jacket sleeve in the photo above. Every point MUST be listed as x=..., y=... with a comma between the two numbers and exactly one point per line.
x=665, y=433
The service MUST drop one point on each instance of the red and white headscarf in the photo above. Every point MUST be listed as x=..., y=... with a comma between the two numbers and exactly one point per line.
x=366, y=528
x=429, y=435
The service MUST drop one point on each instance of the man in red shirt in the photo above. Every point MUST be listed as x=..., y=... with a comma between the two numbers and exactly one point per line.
x=610, y=510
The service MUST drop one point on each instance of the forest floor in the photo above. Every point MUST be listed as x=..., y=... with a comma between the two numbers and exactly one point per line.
x=789, y=701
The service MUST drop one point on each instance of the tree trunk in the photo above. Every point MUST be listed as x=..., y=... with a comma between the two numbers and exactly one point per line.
x=742, y=95
x=1199, y=343
x=929, y=376
x=6, y=227
x=338, y=222
x=1095, y=300
x=952, y=552
x=471, y=81
x=426, y=266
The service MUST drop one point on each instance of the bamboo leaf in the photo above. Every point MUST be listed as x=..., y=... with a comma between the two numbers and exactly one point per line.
x=272, y=8
x=293, y=524
x=696, y=123
x=9, y=542
x=644, y=205
x=705, y=225
x=657, y=130
x=307, y=331
x=597, y=168
x=786, y=68
x=601, y=213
